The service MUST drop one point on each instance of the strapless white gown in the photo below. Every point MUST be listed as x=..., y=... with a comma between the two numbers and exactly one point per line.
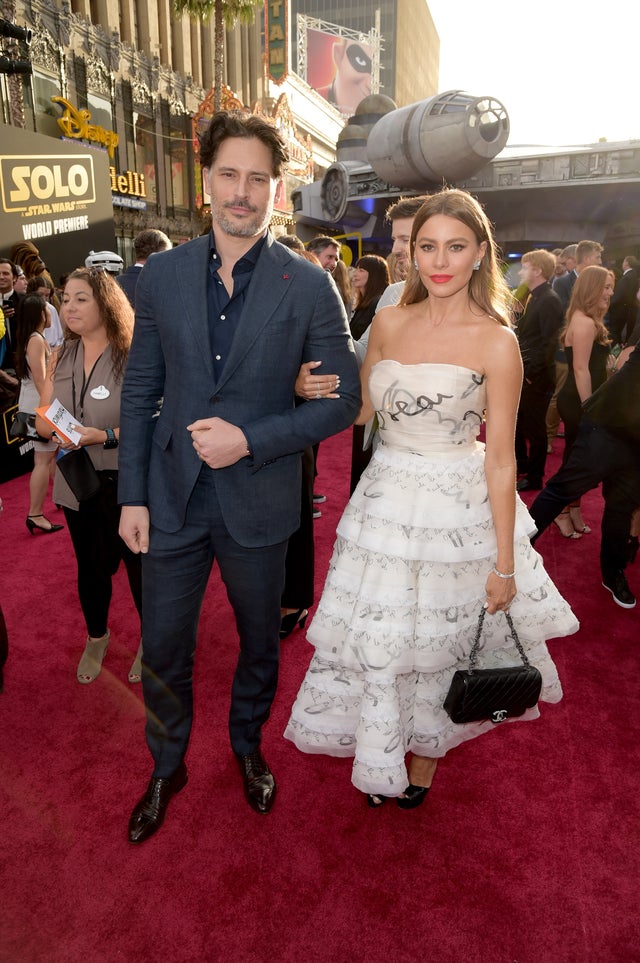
x=406, y=583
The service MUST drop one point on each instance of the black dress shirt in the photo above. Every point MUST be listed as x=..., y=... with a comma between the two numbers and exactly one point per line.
x=224, y=311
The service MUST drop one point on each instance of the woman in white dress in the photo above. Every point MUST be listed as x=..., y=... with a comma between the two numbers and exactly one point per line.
x=435, y=529
x=32, y=356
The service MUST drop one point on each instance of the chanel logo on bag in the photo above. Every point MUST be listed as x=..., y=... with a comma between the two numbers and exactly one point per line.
x=499, y=715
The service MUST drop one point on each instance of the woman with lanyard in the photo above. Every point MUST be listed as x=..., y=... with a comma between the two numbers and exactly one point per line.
x=86, y=377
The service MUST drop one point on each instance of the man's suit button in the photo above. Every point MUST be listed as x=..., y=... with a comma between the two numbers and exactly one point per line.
x=216, y=399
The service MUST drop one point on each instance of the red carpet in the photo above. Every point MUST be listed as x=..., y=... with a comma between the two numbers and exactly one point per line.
x=526, y=850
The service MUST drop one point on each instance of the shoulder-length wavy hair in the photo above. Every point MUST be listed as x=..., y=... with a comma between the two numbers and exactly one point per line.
x=487, y=287
x=33, y=317
x=585, y=297
x=115, y=312
x=377, y=282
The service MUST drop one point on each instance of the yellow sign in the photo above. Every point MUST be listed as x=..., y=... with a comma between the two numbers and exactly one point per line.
x=130, y=182
x=75, y=124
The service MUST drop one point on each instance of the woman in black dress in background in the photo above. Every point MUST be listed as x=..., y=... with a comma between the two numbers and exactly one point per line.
x=370, y=280
x=586, y=344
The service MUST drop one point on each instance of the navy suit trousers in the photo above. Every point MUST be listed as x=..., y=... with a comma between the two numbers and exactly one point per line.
x=175, y=574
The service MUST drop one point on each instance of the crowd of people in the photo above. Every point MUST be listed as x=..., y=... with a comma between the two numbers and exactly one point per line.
x=422, y=352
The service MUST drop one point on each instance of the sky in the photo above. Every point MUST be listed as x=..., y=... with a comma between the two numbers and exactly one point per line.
x=566, y=73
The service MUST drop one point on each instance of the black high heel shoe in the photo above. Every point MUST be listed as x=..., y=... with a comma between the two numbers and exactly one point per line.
x=31, y=525
x=289, y=622
x=413, y=797
x=376, y=800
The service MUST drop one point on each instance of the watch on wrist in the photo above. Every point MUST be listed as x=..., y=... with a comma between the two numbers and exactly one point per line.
x=112, y=441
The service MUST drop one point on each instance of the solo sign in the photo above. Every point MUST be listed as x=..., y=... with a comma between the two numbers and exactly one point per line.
x=49, y=184
x=53, y=191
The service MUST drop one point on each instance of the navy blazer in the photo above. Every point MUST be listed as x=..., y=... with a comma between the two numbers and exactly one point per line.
x=128, y=281
x=292, y=314
x=563, y=286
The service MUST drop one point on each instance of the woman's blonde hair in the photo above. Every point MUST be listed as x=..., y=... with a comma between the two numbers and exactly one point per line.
x=487, y=287
x=585, y=297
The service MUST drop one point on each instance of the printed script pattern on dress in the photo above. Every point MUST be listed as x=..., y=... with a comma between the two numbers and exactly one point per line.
x=406, y=582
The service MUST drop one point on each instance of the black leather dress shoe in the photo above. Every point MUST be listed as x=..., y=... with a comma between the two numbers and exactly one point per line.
x=259, y=784
x=148, y=815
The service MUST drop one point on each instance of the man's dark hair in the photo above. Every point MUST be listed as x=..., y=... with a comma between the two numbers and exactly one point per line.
x=405, y=207
x=318, y=244
x=150, y=242
x=236, y=123
x=291, y=241
x=6, y=260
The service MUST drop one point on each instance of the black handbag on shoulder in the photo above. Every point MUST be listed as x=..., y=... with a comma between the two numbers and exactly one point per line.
x=493, y=694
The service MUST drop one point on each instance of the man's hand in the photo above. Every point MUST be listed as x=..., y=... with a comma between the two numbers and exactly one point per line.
x=134, y=527
x=218, y=443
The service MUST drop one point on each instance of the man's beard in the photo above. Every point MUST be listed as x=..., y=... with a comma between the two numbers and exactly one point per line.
x=250, y=227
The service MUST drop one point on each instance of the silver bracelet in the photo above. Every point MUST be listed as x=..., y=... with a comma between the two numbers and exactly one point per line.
x=502, y=574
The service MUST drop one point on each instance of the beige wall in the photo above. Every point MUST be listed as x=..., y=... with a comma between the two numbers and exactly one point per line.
x=417, y=53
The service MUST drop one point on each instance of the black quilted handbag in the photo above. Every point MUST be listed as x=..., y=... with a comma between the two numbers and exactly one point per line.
x=493, y=694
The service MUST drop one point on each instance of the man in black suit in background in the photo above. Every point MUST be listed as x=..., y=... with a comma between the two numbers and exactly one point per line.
x=538, y=337
x=623, y=309
x=9, y=302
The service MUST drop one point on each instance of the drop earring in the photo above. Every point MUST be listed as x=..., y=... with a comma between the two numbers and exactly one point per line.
x=415, y=264
x=476, y=266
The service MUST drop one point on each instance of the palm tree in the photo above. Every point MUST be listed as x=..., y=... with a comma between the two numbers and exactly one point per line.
x=226, y=13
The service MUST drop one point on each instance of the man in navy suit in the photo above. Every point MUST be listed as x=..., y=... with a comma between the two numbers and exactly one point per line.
x=211, y=443
x=586, y=254
x=146, y=243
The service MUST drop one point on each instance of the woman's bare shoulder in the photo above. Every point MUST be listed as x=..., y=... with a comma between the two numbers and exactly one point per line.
x=389, y=319
x=499, y=345
x=392, y=312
